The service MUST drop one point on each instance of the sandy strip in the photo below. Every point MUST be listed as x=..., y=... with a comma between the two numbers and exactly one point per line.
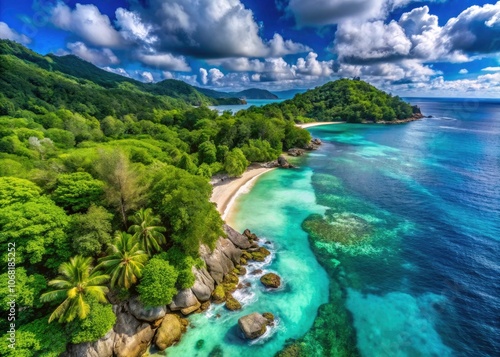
x=225, y=192
x=310, y=125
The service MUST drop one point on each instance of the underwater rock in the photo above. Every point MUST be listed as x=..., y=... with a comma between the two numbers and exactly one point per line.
x=271, y=280
x=253, y=325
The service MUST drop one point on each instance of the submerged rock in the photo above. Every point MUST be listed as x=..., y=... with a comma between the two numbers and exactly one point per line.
x=271, y=280
x=169, y=332
x=253, y=325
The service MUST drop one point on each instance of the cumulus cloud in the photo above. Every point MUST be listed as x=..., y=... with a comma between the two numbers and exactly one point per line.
x=211, y=77
x=164, y=61
x=146, y=77
x=7, y=33
x=463, y=71
x=120, y=71
x=417, y=35
x=329, y=12
x=99, y=57
x=209, y=29
x=132, y=28
x=87, y=22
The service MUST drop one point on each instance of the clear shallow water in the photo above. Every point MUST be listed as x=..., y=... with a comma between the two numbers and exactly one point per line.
x=274, y=210
x=421, y=202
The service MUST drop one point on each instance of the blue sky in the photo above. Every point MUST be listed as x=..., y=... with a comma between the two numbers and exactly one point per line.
x=408, y=47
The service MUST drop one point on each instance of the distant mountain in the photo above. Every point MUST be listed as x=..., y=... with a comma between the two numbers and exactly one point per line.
x=289, y=94
x=252, y=93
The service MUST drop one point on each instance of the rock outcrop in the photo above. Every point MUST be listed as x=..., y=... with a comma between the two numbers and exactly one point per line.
x=271, y=280
x=296, y=152
x=143, y=313
x=185, y=301
x=100, y=348
x=238, y=239
x=204, y=284
x=169, y=332
x=132, y=336
x=253, y=325
x=222, y=260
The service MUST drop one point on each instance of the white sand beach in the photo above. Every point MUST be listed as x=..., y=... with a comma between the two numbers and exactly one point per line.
x=225, y=192
x=310, y=125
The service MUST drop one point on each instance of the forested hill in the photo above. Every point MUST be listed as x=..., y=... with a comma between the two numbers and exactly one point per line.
x=252, y=93
x=350, y=100
x=37, y=83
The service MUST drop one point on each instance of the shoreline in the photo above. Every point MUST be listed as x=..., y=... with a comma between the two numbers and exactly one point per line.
x=310, y=125
x=226, y=190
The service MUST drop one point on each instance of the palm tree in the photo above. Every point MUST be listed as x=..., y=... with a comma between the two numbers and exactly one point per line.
x=77, y=283
x=147, y=230
x=124, y=261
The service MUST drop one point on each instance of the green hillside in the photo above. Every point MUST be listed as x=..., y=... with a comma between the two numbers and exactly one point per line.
x=354, y=101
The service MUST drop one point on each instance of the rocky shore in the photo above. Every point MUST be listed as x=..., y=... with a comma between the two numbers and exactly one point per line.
x=137, y=327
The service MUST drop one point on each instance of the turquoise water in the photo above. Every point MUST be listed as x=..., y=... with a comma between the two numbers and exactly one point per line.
x=250, y=102
x=274, y=210
x=405, y=221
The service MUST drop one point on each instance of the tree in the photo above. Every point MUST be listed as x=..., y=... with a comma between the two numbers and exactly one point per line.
x=157, y=286
x=147, y=230
x=77, y=191
x=16, y=190
x=207, y=152
x=100, y=321
x=38, y=228
x=182, y=200
x=124, y=262
x=91, y=231
x=123, y=189
x=235, y=163
x=77, y=283
x=37, y=338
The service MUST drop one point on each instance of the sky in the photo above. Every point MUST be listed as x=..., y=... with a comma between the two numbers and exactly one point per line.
x=447, y=48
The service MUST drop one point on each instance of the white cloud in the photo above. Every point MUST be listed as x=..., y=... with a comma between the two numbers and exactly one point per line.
x=132, y=28
x=167, y=75
x=164, y=61
x=211, y=77
x=120, y=71
x=99, y=57
x=463, y=71
x=491, y=69
x=146, y=77
x=210, y=29
x=7, y=33
x=87, y=22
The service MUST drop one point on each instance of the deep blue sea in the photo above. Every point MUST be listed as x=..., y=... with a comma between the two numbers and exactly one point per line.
x=441, y=177
x=409, y=235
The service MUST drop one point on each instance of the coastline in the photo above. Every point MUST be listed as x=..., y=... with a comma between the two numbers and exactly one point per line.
x=226, y=190
x=310, y=125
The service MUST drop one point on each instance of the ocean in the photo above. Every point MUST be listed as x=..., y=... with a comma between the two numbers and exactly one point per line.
x=387, y=239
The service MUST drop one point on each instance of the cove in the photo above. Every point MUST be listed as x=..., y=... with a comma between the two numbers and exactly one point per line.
x=274, y=209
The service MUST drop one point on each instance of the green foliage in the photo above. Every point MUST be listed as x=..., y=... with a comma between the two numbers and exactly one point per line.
x=100, y=321
x=37, y=227
x=91, y=231
x=182, y=200
x=77, y=283
x=207, y=152
x=124, y=261
x=157, y=286
x=147, y=231
x=77, y=191
x=183, y=264
x=62, y=138
x=235, y=163
x=259, y=151
x=36, y=339
x=15, y=190
x=28, y=288
x=348, y=100
x=123, y=189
